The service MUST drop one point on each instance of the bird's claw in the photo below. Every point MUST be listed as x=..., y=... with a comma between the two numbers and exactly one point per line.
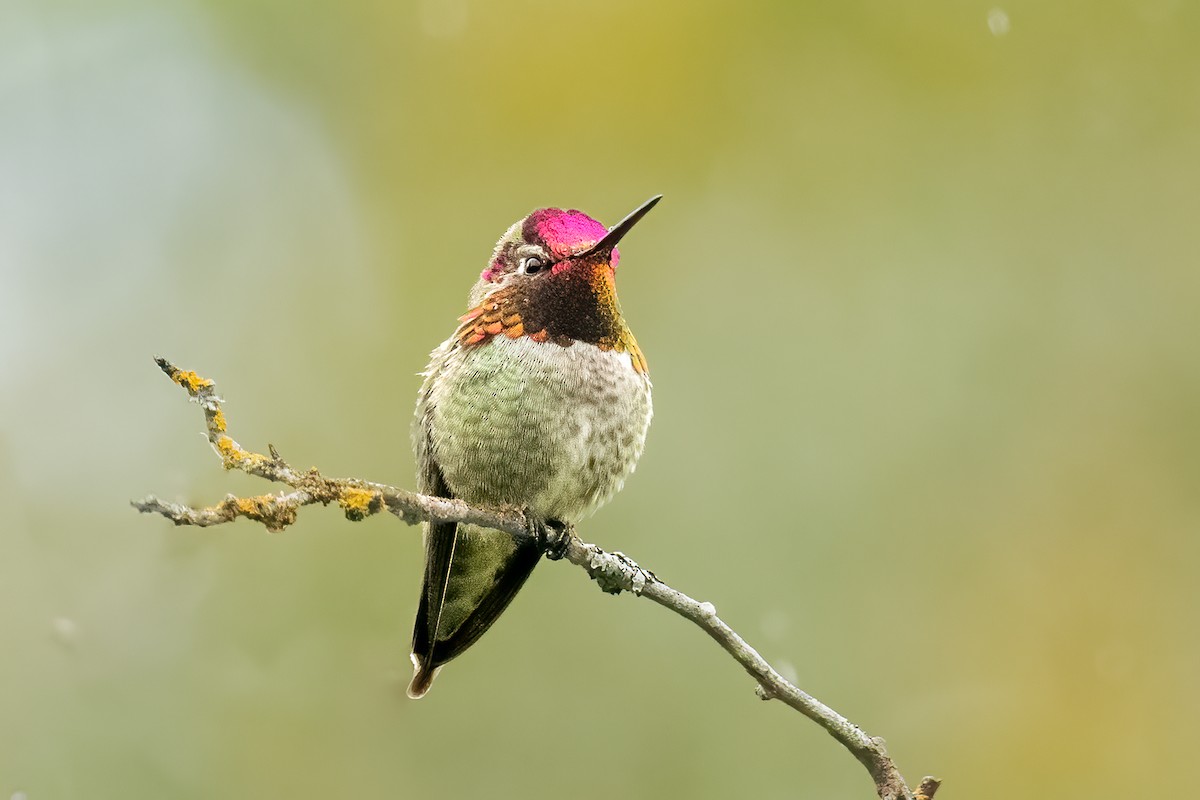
x=551, y=535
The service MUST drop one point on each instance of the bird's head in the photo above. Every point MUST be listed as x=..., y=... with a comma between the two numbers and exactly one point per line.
x=551, y=241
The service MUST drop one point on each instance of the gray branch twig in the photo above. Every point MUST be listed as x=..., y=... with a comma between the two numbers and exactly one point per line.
x=613, y=572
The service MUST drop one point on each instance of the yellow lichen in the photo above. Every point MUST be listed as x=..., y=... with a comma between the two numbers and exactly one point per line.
x=218, y=420
x=229, y=449
x=235, y=457
x=264, y=508
x=252, y=507
x=357, y=503
x=190, y=380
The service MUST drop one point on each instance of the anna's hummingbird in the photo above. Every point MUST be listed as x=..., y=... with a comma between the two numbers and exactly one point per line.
x=541, y=400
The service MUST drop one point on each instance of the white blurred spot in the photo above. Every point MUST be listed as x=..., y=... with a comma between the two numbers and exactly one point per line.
x=998, y=22
x=443, y=19
x=775, y=625
x=19, y=796
x=708, y=609
x=65, y=629
x=788, y=670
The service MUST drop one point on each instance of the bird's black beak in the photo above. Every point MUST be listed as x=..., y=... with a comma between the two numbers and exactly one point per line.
x=616, y=232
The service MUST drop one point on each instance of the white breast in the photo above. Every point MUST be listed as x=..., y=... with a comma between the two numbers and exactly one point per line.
x=557, y=429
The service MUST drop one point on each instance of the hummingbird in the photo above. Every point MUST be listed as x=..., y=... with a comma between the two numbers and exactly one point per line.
x=540, y=400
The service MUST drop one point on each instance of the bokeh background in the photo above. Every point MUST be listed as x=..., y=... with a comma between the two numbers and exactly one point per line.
x=921, y=311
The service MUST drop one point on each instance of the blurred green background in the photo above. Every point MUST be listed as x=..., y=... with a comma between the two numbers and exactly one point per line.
x=921, y=311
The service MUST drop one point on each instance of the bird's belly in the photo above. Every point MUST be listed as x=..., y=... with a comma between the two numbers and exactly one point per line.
x=557, y=429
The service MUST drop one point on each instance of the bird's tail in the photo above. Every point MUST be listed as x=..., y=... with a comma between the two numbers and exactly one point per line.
x=422, y=678
x=471, y=575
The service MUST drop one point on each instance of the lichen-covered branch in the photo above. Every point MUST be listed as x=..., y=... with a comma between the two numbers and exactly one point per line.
x=613, y=572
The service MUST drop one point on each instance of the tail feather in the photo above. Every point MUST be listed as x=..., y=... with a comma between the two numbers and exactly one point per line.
x=440, y=542
x=422, y=678
x=478, y=573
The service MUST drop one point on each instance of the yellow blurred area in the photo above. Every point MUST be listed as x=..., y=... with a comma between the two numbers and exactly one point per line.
x=920, y=307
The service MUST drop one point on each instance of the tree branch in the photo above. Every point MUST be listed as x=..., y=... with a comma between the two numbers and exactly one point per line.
x=613, y=572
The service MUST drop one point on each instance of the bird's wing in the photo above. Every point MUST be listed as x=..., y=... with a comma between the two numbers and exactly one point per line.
x=471, y=573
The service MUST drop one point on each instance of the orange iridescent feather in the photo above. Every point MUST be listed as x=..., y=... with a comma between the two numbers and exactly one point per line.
x=498, y=315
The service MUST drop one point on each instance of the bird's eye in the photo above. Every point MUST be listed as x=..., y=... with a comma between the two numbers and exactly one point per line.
x=532, y=264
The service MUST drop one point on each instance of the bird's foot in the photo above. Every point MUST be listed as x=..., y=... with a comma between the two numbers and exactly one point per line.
x=552, y=536
x=559, y=539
